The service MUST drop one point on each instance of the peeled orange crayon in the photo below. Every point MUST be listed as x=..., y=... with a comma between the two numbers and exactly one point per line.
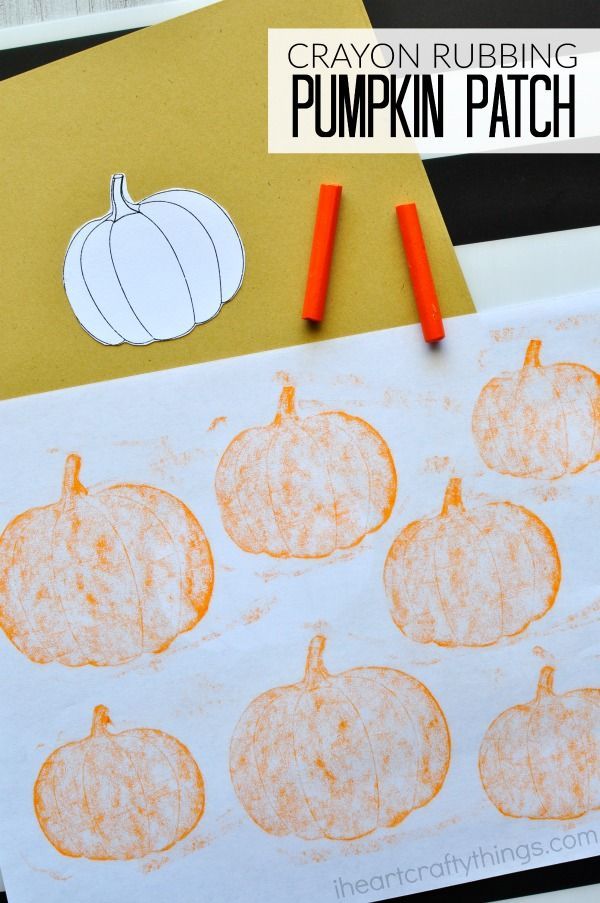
x=420, y=273
x=321, y=254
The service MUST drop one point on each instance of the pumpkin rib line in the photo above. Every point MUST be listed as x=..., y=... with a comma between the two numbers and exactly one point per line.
x=574, y=696
x=563, y=416
x=390, y=462
x=304, y=693
x=95, y=829
x=534, y=572
x=209, y=236
x=331, y=686
x=148, y=741
x=490, y=423
x=595, y=408
x=175, y=547
x=515, y=428
x=356, y=445
x=22, y=607
x=187, y=285
x=498, y=750
x=246, y=514
x=98, y=508
x=334, y=498
x=266, y=791
x=589, y=760
x=85, y=282
x=588, y=744
x=528, y=743
x=591, y=456
x=411, y=721
x=373, y=759
x=270, y=444
x=131, y=760
x=114, y=266
x=397, y=556
x=503, y=594
x=59, y=807
x=233, y=226
x=58, y=598
x=441, y=598
x=314, y=442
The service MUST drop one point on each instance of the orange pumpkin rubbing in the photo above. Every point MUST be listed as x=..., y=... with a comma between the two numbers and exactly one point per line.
x=542, y=759
x=542, y=421
x=118, y=796
x=304, y=487
x=470, y=576
x=102, y=575
x=338, y=755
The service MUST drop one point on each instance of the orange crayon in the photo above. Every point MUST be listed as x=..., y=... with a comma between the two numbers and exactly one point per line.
x=321, y=252
x=420, y=273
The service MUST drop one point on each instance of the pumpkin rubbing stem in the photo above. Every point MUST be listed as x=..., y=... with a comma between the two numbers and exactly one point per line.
x=315, y=670
x=287, y=404
x=453, y=496
x=100, y=721
x=121, y=203
x=532, y=355
x=545, y=685
x=71, y=484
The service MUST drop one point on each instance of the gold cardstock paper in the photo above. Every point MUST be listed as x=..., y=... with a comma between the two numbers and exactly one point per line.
x=184, y=104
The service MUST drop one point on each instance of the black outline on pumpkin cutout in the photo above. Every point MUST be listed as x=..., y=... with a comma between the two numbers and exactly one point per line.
x=135, y=208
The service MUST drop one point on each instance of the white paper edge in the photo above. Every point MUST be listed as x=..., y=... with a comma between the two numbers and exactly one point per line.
x=97, y=23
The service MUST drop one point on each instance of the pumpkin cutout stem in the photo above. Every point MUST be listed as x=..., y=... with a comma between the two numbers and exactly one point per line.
x=315, y=671
x=100, y=721
x=287, y=404
x=121, y=203
x=71, y=485
x=545, y=685
x=532, y=355
x=453, y=497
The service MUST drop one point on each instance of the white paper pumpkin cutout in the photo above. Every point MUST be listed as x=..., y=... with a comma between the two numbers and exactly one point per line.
x=152, y=271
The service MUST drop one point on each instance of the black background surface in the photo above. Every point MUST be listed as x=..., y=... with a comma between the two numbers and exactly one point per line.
x=482, y=197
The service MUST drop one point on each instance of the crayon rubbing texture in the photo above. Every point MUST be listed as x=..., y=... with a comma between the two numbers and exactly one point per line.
x=542, y=421
x=304, y=487
x=118, y=796
x=102, y=576
x=338, y=755
x=542, y=759
x=470, y=576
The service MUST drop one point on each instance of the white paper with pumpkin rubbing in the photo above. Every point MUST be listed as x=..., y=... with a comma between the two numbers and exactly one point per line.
x=323, y=619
